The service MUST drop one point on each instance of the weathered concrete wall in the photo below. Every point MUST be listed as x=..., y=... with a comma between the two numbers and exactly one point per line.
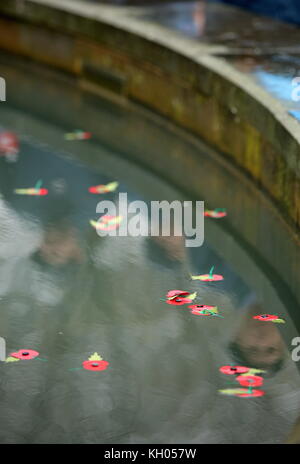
x=174, y=76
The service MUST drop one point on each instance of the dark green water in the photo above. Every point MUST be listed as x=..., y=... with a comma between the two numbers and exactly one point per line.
x=68, y=293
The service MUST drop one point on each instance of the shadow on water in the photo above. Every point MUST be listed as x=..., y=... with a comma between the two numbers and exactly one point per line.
x=67, y=293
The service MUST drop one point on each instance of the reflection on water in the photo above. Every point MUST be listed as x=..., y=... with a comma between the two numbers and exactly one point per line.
x=67, y=293
x=264, y=49
x=275, y=74
x=256, y=344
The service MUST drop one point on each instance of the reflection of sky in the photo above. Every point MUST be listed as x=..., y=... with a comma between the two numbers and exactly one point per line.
x=295, y=113
x=279, y=86
x=181, y=18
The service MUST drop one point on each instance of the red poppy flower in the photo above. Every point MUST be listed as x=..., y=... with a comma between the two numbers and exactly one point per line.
x=25, y=354
x=250, y=380
x=265, y=317
x=109, y=222
x=230, y=370
x=95, y=365
x=252, y=394
x=175, y=293
x=86, y=135
x=202, y=310
x=94, y=189
x=98, y=189
x=176, y=297
x=217, y=214
x=211, y=278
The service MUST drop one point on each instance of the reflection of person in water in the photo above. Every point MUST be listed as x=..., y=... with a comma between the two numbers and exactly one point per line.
x=52, y=229
x=199, y=17
x=258, y=344
x=60, y=245
x=293, y=437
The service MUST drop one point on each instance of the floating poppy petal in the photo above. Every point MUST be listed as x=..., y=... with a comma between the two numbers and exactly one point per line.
x=97, y=189
x=36, y=190
x=175, y=293
x=111, y=219
x=231, y=370
x=265, y=317
x=202, y=307
x=31, y=191
x=200, y=313
x=242, y=392
x=215, y=213
x=208, y=277
x=95, y=365
x=251, y=394
x=203, y=310
x=25, y=354
x=107, y=223
x=250, y=380
x=180, y=297
x=78, y=135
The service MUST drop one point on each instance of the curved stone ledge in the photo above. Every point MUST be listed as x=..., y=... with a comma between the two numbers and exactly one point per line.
x=173, y=75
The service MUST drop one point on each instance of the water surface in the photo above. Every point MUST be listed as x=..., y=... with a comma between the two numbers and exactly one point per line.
x=68, y=293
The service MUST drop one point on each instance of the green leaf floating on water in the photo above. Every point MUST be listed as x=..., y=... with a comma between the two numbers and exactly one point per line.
x=278, y=321
x=192, y=296
x=11, y=359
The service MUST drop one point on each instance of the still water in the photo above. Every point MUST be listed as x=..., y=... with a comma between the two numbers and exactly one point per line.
x=68, y=293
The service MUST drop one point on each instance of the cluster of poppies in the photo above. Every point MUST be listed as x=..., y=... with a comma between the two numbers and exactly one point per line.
x=246, y=377
x=180, y=297
x=105, y=223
